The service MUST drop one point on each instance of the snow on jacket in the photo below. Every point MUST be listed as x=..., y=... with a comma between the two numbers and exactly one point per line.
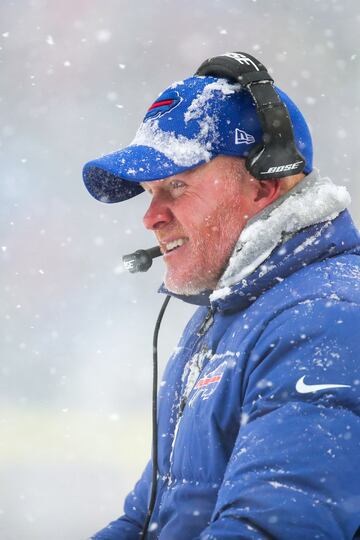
x=259, y=430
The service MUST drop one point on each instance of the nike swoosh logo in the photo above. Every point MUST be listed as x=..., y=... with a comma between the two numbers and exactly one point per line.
x=304, y=388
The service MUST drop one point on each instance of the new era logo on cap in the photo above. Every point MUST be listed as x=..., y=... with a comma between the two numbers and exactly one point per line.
x=242, y=137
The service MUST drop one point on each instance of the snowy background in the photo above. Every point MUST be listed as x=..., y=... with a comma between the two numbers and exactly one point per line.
x=75, y=367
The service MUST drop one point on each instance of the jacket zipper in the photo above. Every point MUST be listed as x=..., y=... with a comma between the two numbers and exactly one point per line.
x=203, y=328
x=207, y=322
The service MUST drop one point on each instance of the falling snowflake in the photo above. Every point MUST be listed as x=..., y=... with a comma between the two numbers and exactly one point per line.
x=103, y=35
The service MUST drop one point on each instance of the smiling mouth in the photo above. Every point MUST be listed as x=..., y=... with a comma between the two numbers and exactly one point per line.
x=175, y=244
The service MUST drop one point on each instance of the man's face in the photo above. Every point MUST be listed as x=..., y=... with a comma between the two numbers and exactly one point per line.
x=197, y=218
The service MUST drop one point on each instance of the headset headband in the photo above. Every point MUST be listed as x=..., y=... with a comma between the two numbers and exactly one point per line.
x=277, y=156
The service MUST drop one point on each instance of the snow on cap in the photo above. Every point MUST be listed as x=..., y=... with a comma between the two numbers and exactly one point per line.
x=190, y=123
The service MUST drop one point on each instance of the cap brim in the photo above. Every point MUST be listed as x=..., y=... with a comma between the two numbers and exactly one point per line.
x=115, y=177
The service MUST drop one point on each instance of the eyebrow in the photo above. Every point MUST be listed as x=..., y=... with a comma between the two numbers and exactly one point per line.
x=186, y=174
x=149, y=182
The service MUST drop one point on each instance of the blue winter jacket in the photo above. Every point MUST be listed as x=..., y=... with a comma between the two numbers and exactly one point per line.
x=259, y=430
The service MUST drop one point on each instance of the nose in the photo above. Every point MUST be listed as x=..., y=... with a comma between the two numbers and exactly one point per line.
x=158, y=213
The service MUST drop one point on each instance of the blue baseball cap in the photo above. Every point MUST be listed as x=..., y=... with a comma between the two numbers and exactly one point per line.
x=190, y=123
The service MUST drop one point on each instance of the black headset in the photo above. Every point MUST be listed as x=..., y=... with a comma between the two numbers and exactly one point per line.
x=277, y=156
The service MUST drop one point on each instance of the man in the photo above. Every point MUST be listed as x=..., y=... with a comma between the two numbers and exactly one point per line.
x=259, y=431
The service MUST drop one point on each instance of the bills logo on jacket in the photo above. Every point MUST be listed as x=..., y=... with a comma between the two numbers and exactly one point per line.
x=166, y=102
x=207, y=385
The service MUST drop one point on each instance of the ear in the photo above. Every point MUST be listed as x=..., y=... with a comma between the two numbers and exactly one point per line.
x=267, y=192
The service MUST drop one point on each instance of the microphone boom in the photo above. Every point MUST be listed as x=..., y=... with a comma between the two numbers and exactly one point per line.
x=141, y=260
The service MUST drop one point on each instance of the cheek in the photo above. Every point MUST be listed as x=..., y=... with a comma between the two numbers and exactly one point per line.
x=209, y=227
x=230, y=226
x=221, y=220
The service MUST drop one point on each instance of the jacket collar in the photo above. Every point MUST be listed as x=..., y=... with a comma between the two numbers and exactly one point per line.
x=311, y=244
x=313, y=200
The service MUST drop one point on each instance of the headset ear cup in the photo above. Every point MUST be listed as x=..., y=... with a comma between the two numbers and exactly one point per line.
x=254, y=154
x=277, y=156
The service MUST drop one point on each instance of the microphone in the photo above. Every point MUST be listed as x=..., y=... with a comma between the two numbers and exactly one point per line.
x=141, y=260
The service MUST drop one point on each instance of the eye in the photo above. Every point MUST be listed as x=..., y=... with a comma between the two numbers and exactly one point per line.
x=177, y=185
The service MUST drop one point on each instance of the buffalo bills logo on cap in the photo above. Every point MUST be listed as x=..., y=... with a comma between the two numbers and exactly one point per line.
x=168, y=101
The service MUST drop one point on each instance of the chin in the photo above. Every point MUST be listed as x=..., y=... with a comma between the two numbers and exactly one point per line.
x=186, y=287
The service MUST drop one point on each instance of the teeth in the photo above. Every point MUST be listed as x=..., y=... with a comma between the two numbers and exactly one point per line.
x=175, y=243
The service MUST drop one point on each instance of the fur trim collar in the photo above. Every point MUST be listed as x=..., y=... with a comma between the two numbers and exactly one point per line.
x=313, y=200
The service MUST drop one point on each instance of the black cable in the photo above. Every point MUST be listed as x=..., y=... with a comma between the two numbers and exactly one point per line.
x=154, y=420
